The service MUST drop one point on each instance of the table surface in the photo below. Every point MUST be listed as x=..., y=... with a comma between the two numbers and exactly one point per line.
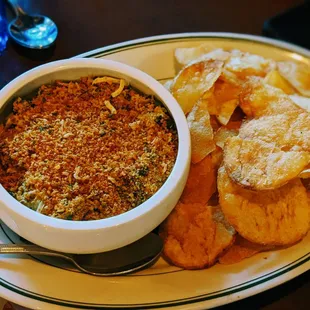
x=86, y=25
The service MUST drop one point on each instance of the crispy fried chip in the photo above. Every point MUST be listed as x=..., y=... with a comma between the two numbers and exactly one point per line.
x=288, y=131
x=201, y=131
x=201, y=182
x=225, y=91
x=241, y=250
x=193, y=81
x=258, y=165
x=303, y=102
x=298, y=74
x=230, y=77
x=186, y=55
x=222, y=100
x=195, y=235
x=275, y=79
x=226, y=97
x=226, y=109
x=222, y=134
x=246, y=64
x=278, y=217
x=258, y=99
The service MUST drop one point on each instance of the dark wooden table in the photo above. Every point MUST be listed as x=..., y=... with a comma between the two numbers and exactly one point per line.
x=86, y=25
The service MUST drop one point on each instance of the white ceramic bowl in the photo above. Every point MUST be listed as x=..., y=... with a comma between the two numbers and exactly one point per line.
x=106, y=234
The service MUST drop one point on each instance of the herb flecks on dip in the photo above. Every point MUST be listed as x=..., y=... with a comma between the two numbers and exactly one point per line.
x=87, y=149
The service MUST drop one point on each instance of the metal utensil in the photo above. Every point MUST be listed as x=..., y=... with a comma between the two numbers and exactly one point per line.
x=31, y=31
x=128, y=259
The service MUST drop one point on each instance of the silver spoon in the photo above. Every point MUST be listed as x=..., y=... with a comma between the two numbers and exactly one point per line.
x=128, y=259
x=32, y=31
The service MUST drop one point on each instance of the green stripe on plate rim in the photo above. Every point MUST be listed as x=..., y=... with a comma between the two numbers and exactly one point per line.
x=200, y=298
x=163, y=39
x=205, y=297
x=221, y=293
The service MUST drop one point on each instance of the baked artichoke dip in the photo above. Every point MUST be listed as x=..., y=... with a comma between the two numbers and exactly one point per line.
x=86, y=149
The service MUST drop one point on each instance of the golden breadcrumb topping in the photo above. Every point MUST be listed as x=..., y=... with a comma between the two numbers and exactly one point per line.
x=87, y=149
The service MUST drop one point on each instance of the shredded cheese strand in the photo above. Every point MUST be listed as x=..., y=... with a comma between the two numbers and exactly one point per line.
x=110, y=106
x=119, y=90
x=106, y=79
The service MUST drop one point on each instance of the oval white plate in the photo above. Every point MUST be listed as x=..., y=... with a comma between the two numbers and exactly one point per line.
x=38, y=284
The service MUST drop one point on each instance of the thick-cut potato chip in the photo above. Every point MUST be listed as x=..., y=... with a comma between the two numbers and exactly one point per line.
x=230, y=77
x=278, y=217
x=193, y=81
x=222, y=100
x=226, y=97
x=248, y=64
x=225, y=91
x=250, y=132
x=226, y=109
x=241, y=250
x=201, y=131
x=258, y=165
x=258, y=98
x=303, y=102
x=186, y=55
x=297, y=74
x=275, y=79
x=201, y=182
x=222, y=134
x=195, y=235
x=288, y=131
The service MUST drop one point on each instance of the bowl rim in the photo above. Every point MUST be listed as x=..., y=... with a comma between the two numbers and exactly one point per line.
x=179, y=168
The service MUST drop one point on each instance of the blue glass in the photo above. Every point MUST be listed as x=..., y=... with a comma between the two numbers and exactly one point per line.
x=3, y=27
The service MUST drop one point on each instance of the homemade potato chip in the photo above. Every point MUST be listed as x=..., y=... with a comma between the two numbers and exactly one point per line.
x=258, y=165
x=230, y=77
x=240, y=250
x=297, y=74
x=222, y=134
x=193, y=81
x=250, y=133
x=301, y=101
x=201, y=181
x=278, y=217
x=288, y=131
x=195, y=235
x=186, y=55
x=246, y=64
x=275, y=79
x=222, y=100
x=226, y=97
x=225, y=111
x=258, y=99
x=225, y=91
x=201, y=131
